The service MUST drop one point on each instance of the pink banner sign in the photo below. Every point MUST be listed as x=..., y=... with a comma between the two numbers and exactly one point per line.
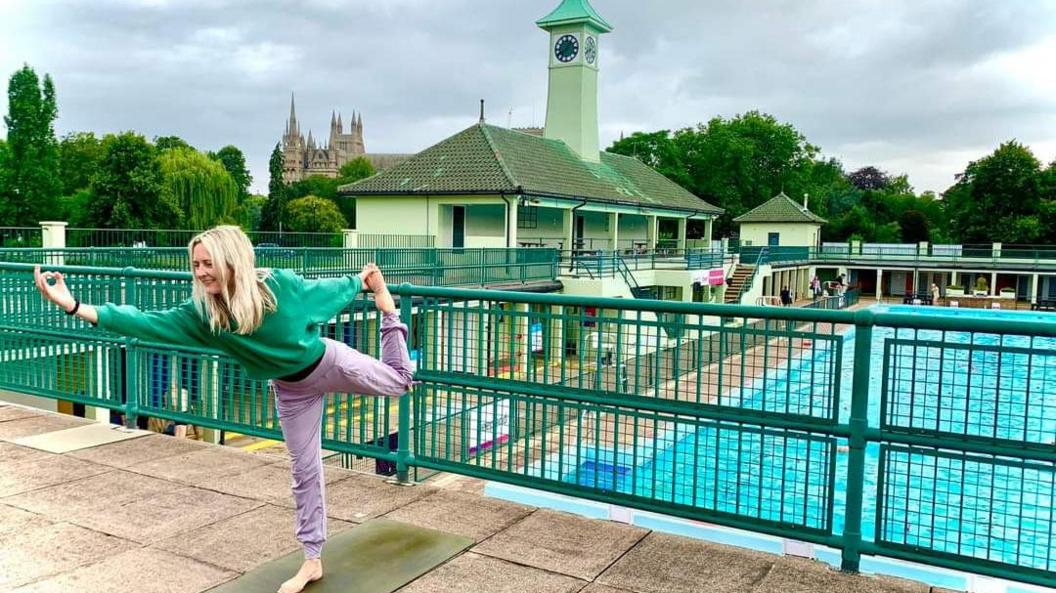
x=716, y=277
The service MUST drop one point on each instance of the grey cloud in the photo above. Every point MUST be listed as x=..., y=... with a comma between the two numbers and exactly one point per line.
x=902, y=77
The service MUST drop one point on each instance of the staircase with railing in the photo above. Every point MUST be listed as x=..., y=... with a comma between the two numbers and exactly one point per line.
x=743, y=279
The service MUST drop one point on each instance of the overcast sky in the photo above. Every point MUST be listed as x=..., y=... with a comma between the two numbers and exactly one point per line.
x=916, y=87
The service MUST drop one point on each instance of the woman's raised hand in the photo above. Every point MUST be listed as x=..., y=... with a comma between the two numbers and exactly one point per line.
x=56, y=292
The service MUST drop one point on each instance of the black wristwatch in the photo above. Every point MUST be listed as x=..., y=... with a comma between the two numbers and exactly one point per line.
x=76, y=305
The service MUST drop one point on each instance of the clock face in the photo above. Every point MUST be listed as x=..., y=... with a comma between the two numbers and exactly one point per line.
x=567, y=48
x=590, y=50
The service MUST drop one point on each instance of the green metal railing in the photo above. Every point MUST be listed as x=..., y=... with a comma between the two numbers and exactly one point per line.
x=606, y=264
x=99, y=237
x=760, y=259
x=927, y=438
x=389, y=241
x=20, y=236
x=437, y=267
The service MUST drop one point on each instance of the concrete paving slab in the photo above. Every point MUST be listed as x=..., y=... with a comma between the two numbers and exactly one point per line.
x=42, y=472
x=38, y=424
x=45, y=549
x=800, y=575
x=13, y=520
x=360, y=498
x=244, y=541
x=9, y=412
x=114, y=488
x=663, y=563
x=142, y=570
x=563, y=543
x=11, y=453
x=269, y=483
x=461, y=513
x=377, y=557
x=599, y=588
x=164, y=514
x=473, y=573
x=201, y=466
x=149, y=448
x=80, y=437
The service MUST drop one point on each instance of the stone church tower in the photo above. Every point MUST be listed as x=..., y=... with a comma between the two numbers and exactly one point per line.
x=302, y=158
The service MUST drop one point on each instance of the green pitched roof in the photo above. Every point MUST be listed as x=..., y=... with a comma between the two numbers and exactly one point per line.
x=489, y=159
x=574, y=11
x=780, y=208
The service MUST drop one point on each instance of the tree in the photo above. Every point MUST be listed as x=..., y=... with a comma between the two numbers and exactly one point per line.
x=274, y=210
x=201, y=187
x=6, y=211
x=79, y=156
x=313, y=185
x=869, y=178
x=235, y=162
x=128, y=190
x=32, y=161
x=735, y=164
x=250, y=211
x=354, y=170
x=993, y=194
x=312, y=214
x=914, y=227
x=659, y=151
x=162, y=143
x=351, y=172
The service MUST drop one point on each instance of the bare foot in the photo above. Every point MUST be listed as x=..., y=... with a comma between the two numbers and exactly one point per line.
x=382, y=299
x=311, y=570
x=364, y=276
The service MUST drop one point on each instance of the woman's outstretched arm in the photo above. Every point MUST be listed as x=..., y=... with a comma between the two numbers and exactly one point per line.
x=179, y=325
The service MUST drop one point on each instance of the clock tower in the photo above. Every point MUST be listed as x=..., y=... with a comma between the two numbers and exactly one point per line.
x=572, y=98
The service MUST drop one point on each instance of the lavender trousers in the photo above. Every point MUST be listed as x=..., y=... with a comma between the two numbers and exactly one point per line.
x=300, y=404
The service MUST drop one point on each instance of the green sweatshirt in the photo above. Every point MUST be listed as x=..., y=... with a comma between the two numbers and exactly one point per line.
x=287, y=341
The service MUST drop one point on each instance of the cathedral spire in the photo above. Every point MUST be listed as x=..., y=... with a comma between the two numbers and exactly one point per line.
x=340, y=126
x=292, y=124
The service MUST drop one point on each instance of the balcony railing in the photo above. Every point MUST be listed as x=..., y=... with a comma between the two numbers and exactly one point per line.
x=925, y=438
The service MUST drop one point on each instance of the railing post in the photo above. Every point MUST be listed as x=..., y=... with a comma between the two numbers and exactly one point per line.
x=403, y=437
x=859, y=422
x=131, y=383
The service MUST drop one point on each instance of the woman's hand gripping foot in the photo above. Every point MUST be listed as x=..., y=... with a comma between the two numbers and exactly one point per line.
x=382, y=299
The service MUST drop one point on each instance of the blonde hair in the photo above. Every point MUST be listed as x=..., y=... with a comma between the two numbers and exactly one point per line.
x=244, y=297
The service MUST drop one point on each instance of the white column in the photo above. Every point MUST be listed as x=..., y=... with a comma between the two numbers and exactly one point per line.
x=650, y=232
x=1034, y=289
x=351, y=238
x=566, y=229
x=879, y=284
x=614, y=231
x=53, y=236
x=993, y=284
x=511, y=224
x=681, y=234
x=707, y=232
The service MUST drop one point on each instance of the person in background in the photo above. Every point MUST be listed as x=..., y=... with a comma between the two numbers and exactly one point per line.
x=786, y=296
x=815, y=287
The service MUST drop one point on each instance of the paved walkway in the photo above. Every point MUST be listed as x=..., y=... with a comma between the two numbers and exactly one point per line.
x=159, y=514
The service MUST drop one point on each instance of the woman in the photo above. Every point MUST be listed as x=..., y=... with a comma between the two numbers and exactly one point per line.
x=268, y=320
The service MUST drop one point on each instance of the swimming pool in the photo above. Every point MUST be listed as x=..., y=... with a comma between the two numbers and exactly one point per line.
x=953, y=382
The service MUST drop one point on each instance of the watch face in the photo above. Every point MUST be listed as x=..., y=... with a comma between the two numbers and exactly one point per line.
x=590, y=50
x=567, y=48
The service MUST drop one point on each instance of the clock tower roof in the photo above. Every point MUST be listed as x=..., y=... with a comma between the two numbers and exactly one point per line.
x=572, y=12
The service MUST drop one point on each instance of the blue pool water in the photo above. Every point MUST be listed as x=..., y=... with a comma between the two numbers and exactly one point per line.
x=949, y=503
